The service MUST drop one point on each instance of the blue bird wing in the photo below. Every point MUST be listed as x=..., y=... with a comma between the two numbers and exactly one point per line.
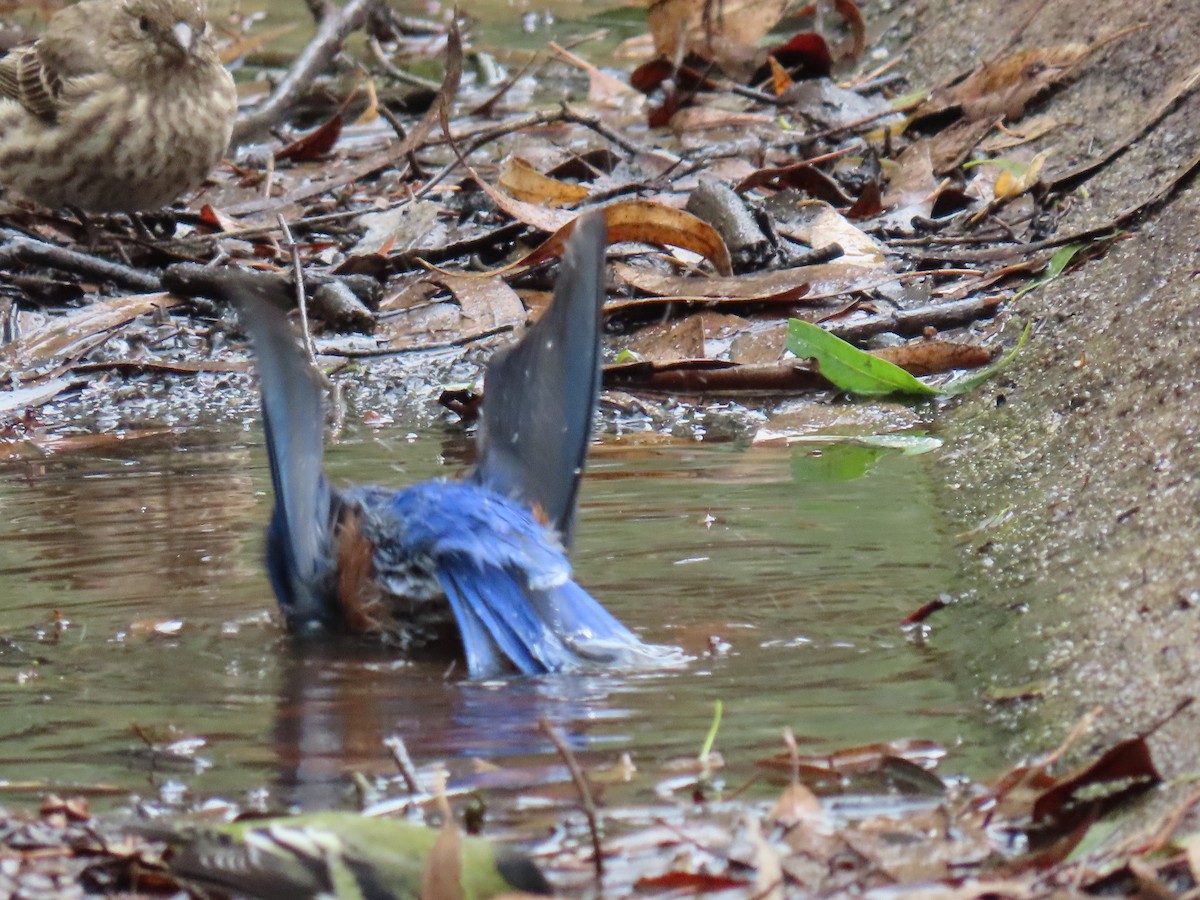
x=541, y=393
x=299, y=536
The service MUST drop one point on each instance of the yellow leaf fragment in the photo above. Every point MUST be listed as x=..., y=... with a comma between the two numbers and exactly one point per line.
x=522, y=181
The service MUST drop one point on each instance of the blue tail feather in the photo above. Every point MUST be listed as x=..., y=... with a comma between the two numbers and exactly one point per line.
x=570, y=610
x=491, y=597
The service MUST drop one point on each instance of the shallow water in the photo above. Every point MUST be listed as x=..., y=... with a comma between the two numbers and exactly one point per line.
x=512, y=30
x=150, y=555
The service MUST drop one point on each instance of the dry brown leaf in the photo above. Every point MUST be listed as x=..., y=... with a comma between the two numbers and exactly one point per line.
x=603, y=89
x=654, y=223
x=522, y=181
x=685, y=339
x=1001, y=88
x=645, y=222
x=673, y=22
x=763, y=343
x=703, y=118
x=795, y=805
x=950, y=146
x=442, y=876
x=482, y=307
x=853, y=18
x=910, y=179
x=780, y=79
x=541, y=217
x=768, y=874
x=799, y=284
x=820, y=225
x=488, y=303
x=933, y=356
x=371, y=113
x=74, y=334
x=1031, y=129
x=101, y=442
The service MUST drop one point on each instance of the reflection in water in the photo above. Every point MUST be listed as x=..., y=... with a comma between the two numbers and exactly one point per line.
x=786, y=581
x=88, y=527
x=339, y=703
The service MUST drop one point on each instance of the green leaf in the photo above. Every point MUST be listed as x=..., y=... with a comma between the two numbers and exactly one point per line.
x=1011, y=166
x=1058, y=263
x=849, y=368
x=628, y=356
x=970, y=382
x=912, y=98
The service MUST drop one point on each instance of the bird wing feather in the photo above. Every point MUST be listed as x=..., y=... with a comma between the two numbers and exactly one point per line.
x=24, y=77
x=306, y=507
x=35, y=76
x=541, y=392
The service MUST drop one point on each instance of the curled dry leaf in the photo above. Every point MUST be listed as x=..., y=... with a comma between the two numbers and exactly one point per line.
x=932, y=357
x=646, y=222
x=534, y=214
x=654, y=223
x=780, y=79
x=853, y=17
x=314, y=145
x=798, y=176
x=1031, y=129
x=522, y=181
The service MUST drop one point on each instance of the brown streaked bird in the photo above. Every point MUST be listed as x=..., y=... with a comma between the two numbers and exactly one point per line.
x=121, y=106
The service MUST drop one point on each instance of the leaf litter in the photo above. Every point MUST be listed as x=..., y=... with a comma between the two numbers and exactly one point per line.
x=837, y=208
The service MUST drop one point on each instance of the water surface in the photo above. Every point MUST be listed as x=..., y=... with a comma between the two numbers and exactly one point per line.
x=783, y=576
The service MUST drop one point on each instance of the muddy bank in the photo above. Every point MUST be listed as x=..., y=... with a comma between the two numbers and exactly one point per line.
x=1074, y=479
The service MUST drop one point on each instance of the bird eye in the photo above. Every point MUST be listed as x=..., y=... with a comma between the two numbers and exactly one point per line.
x=144, y=23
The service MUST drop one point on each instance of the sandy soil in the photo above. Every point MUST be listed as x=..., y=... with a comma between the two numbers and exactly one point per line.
x=1075, y=479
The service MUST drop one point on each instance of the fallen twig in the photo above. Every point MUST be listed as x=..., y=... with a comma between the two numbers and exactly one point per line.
x=335, y=26
x=17, y=247
x=298, y=286
x=914, y=321
x=190, y=280
x=585, y=792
